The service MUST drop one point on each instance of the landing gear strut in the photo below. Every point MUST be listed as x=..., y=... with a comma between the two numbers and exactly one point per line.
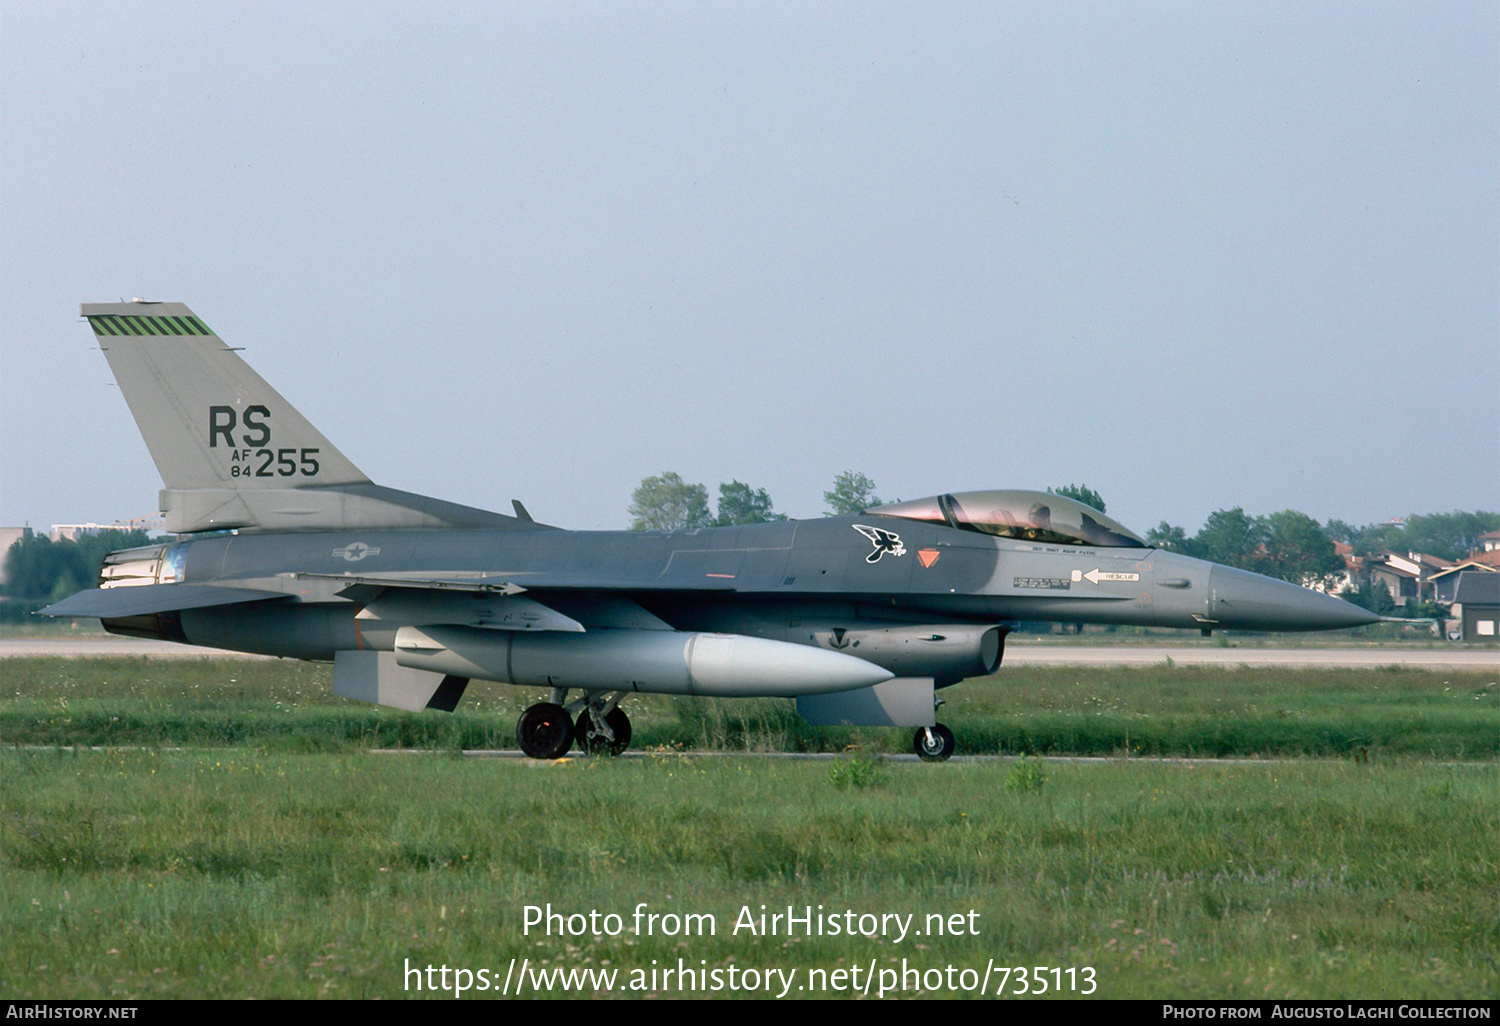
x=933, y=744
x=603, y=728
x=545, y=731
x=609, y=736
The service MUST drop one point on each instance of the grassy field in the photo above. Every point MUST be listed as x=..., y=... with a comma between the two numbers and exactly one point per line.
x=270, y=856
x=235, y=873
x=1164, y=710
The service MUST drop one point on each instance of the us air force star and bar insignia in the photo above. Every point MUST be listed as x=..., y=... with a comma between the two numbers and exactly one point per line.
x=356, y=551
x=884, y=541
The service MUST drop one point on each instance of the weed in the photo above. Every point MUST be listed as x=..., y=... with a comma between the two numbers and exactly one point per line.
x=1026, y=775
x=858, y=769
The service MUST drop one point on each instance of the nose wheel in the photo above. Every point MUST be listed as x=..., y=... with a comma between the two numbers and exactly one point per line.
x=545, y=731
x=933, y=744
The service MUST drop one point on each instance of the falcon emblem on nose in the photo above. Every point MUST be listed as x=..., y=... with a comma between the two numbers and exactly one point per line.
x=884, y=541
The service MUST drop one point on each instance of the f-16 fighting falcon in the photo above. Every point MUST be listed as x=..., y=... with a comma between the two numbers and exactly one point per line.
x=285, y=548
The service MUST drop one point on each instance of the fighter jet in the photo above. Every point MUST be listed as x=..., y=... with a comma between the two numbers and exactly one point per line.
x=285, y=548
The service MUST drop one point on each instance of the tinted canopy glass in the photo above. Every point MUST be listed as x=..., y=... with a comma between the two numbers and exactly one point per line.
x=1028, y=516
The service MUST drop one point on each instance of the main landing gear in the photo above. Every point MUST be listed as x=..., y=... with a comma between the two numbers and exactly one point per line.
x=547, y=729
x=934, y=743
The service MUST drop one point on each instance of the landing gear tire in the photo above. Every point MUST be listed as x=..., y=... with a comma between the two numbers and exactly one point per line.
x=593, y=740
x=933, y=744
x=545, y=731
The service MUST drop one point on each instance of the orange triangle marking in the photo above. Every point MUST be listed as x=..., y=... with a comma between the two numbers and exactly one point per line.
x=928, y=556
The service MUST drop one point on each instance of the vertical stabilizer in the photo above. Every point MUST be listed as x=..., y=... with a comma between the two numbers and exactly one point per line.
x=231, y=451
x=208, y=419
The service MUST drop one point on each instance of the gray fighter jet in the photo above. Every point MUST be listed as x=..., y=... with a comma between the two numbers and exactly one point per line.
x=286, y=549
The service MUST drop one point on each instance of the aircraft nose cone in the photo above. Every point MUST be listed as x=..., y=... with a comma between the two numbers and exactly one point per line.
x=1252, y=602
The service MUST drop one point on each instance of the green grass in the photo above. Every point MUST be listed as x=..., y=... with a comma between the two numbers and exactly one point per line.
x=1161, y=710
x=232, y=838
x=236, y=873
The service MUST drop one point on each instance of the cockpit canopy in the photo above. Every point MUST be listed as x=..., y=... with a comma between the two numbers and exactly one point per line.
x=1027, y=516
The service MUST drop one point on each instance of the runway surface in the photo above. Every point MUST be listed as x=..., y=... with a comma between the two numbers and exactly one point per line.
x=1016, y=654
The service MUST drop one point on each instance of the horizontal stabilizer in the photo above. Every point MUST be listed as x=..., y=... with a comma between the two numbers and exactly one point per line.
x=111, y=603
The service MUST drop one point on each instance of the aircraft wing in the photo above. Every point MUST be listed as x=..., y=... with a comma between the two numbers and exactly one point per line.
x=461, y=580
x=459, y=597
x=111, y=603
x=516, y=581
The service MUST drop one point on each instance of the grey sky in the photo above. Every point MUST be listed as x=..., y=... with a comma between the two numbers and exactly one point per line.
x=1195, y=255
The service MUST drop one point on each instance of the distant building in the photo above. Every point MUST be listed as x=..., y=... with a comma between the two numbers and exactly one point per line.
x=1412, y=576
x=1345, y=581
x=1398, y=574
x=72, y=532
x=1489, y=541
x=1445, y=582
x=1477, y=604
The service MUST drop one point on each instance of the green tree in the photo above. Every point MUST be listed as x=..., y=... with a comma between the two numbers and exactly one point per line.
x=668, y=503
x=1341, y=532
x=1449, y=535
x=1369, y=539
x=1371, y=595
x=38, y=569
x=852, y=493
x=1230, y=537
x=741, y=504
x=1171, y=538
x=1083, y=493
x=1296, y=549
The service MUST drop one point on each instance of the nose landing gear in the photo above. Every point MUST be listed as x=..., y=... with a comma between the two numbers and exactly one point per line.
x=933, y=744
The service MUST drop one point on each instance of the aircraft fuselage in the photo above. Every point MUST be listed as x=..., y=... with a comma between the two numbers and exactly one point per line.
x=795, y=581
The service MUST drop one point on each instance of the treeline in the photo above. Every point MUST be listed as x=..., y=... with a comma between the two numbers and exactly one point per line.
x=668, y=503
x=1448, y=535
x=1288, y=545
x=1295, y=547
x=39, y=571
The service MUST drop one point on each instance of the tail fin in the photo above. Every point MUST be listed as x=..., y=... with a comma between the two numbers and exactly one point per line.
x=231, y=451
x=208, y=419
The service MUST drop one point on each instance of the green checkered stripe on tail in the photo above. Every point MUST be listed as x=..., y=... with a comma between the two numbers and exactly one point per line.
x=119, y=324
